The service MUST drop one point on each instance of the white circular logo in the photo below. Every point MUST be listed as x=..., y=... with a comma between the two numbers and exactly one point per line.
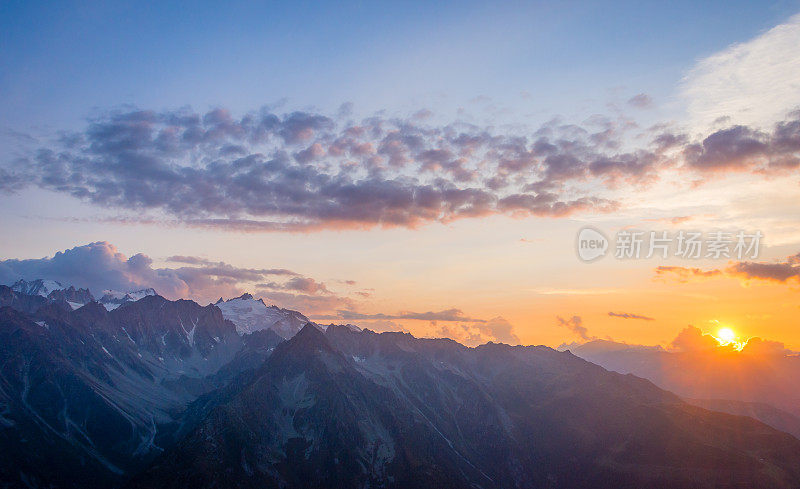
x=591, y=244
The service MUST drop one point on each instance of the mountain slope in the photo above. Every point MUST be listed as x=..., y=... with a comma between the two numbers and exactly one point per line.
x=358, y=409
x=100, y=390
x=722, y=374
x=765, y=413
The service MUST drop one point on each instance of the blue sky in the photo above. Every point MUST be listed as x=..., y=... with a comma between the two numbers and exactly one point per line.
x=63, y=62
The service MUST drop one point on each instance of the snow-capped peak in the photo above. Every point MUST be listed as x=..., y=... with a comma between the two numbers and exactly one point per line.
x=40, y=287
x=250, y=314
x=113, y=298
x=134, y=295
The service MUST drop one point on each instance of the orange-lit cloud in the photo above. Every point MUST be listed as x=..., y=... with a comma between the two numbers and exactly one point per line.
x=779, y=272
x=685, y=274
x=692, y=338
x=575, y=324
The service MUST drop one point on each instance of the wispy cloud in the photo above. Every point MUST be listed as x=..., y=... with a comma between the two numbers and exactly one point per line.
x=752, y=83
x=626, y=315
x=641, y=101
x=445, y=315
x=576, y=291
x=300, y=284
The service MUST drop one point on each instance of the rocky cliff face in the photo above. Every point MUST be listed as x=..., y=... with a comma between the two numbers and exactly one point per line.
x=99, y=389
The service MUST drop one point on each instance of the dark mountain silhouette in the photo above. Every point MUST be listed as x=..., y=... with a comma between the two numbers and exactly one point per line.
x=358, y=409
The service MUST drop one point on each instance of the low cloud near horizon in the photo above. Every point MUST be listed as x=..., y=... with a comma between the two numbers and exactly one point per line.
x=100, y=266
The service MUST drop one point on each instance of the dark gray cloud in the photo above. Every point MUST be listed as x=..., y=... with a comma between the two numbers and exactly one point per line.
x=627, y=315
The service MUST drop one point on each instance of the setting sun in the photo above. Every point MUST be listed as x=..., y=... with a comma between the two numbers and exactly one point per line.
x=726, y=335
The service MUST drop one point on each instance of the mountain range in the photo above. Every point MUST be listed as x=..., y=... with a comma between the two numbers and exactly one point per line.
x=158, y=393
x=763, y=384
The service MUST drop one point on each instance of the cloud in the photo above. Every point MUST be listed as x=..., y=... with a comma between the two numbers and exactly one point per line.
x=194, y=260
x=497, y=330
x=686, y=274
x=298, y=284
x=303, y=171
x=692, y=339
x=641, y=101
x=449, y=323
x=308, y=304
x=671, y=220
x=625, y=315
x=97, y=266
x=778, y=272
x=501, y=330
x=445, y=315
x=758, y=346
x=575, y=324
x=773, y=272
x=100, y=266
x=754, y=83
x=689, y=340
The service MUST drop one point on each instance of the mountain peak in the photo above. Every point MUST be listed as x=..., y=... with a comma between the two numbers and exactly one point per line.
x=91, y=310
x=309, y=337
x=39, y=286
x=305, y=349
x=310, y=332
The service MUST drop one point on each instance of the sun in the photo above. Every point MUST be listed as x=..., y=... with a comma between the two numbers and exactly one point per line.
x=726, y=335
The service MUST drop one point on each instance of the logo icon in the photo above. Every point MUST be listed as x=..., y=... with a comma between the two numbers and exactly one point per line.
x=591, y=244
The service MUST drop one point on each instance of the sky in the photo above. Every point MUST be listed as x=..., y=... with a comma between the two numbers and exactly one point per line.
x=409, y=166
